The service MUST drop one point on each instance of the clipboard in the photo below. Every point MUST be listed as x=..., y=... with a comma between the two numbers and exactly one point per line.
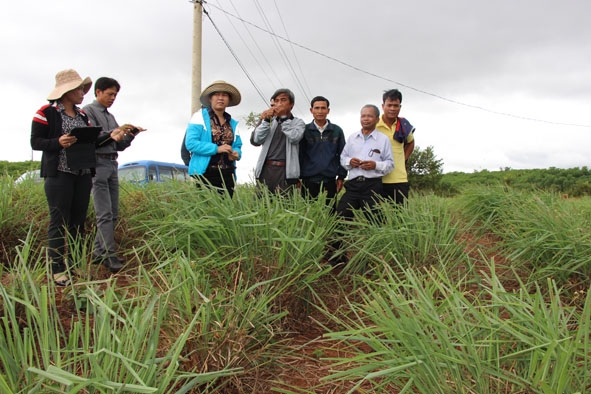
x=86, y=134
x=82, y=154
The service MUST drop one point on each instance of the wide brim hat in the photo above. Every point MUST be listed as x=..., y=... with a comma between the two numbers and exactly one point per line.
x=67, y=80
x=220, y=86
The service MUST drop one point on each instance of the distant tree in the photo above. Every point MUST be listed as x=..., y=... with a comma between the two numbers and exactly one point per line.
x=575, y=182
x=14, y=169
x=424, y=169
x=252, y=120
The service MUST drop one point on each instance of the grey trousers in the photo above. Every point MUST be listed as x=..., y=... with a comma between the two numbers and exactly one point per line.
x=274, y=178
x=105, y=192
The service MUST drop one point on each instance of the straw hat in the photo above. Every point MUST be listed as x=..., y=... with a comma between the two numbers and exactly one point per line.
x=67, y=80
x=220, y=86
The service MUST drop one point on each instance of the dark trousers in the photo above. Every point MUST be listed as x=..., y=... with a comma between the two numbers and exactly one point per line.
x=67, y=196
x=397, y=192
x=313, y=189
x=360, y=193
x=222, y=180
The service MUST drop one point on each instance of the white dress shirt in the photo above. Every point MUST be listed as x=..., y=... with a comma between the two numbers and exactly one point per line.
x=374, y=146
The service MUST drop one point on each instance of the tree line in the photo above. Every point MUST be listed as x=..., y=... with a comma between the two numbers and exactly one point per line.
x=425, y=174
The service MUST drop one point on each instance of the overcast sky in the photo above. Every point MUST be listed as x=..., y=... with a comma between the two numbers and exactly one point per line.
x=488, y=85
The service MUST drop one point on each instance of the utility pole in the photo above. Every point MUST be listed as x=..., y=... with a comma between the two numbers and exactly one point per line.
x=196, y=65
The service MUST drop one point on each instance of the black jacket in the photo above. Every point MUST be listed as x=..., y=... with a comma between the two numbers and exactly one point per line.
x=45, y=133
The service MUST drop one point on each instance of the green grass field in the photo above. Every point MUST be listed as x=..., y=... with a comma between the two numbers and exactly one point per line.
x=486, y=292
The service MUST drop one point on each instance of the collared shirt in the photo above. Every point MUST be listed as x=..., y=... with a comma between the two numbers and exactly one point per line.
x=398, y=175
x=321, y=128
x=100, y=116
x=374, y=146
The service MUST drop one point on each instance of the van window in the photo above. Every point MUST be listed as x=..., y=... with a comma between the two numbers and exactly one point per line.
x=133, y=174
x=180, y=174
x=166, y=174
x=152, y=171
x=152, y=174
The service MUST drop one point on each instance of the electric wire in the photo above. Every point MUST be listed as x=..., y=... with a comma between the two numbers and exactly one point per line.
x=257, y=46
x=248, y=48
x=305, y=89
x=434, y=95
x=236, y=57
x=280, y=50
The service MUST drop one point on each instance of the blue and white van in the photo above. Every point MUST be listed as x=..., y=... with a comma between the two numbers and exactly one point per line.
x=144, y=171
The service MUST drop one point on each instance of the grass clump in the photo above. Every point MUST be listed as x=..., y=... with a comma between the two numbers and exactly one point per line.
x=417, y=332
x=227, y=295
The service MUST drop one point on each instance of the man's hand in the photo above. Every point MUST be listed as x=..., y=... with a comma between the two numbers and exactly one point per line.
x=268, y=114
x=367, y=165
x=282, y=108
x=355, y=162
x=135, y=130
x=118, y=134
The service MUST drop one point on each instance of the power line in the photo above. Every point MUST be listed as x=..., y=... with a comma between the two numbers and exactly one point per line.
x=235, y=57
x=437, y=96
x=280, y=49
x=301, y=85
x=263, y=55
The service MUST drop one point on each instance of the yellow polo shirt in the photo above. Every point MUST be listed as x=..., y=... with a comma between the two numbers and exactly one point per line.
x=398, y=174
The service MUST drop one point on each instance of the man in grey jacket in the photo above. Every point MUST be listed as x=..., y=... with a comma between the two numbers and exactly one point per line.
x=105, y=184
x=279, y=133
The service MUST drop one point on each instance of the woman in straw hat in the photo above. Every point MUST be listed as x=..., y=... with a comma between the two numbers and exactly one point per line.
x=212, y=140
x=67, y=187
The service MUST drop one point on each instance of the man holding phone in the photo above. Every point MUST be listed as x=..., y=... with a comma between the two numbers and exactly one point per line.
x=105, y=184
x=368, y=157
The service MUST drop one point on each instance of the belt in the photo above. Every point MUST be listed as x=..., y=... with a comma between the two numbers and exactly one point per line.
x=275, y=163
x=363, y=179
x=108, y=156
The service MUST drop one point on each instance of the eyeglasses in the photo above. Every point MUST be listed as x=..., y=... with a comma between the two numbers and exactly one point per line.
x=372, y=151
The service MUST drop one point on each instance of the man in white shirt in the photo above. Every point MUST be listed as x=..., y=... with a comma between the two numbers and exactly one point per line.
x=368, y=157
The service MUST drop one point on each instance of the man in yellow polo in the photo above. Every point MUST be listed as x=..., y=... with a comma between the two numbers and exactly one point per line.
x=401, y=135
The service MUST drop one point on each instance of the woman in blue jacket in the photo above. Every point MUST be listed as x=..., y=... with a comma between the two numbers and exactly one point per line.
x=212, y=140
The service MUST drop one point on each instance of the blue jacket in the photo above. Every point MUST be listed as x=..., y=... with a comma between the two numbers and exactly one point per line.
x=403, y=129
x=320, y=154
x=198, y=141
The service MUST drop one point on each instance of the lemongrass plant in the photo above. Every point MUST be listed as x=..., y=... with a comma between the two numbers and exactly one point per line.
x=214, y=286
x=262, y=238
x=420, y=234
x=550, y=236
x=539, y=232
x=120, y=339
x=427, y=335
